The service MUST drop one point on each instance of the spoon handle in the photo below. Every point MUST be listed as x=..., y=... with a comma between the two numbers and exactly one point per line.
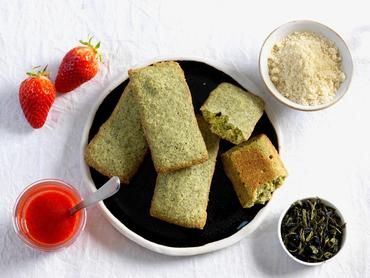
x=107, y=190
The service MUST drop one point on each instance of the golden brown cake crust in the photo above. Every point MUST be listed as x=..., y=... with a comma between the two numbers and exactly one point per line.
x=252, y=164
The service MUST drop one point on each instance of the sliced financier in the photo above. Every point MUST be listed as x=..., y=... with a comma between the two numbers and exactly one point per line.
x=167, y=116
x=119, y=147
x=181, y=197
x=255, y=170
x=232, y=112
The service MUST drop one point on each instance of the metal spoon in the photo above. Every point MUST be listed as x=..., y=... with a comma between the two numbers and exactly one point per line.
x=107, y=190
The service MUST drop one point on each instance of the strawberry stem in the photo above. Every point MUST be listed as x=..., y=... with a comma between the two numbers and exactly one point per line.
x=90, y=44
x=38, y=73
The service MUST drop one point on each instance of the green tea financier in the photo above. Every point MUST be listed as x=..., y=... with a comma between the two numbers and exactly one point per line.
x=181, y=197
x=167, y=116
x=255, y=170
x=119, y=147
x=232, y=112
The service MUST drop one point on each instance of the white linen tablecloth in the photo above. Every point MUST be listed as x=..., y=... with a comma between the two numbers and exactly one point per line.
x=327, y=153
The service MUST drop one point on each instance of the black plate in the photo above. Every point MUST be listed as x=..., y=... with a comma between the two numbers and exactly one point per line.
x=131, y=204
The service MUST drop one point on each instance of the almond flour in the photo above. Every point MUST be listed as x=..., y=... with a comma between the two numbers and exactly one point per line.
x=306, y=68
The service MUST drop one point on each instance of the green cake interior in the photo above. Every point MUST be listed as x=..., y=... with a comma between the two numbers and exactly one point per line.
x=264, y=193
x=221, y=126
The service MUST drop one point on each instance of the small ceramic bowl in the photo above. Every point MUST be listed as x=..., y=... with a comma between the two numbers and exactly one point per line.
x=325, y=202
x=298, y=26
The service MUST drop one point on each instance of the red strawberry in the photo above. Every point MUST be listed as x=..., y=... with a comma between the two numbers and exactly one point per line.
x=79, y=65
x=36, y=95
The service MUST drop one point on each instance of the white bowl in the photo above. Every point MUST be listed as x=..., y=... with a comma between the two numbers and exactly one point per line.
x=159, y=248
x=345, y=231
x=298, y=26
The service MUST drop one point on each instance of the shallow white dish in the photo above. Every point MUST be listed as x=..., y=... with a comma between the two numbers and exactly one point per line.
x=325, y=202
x=305, y=25
x=160, y=248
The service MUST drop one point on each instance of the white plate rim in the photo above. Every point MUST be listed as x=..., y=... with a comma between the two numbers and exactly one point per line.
x=159, y=248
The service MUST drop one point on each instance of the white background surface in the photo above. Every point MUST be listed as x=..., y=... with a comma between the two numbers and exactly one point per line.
x=327, y=153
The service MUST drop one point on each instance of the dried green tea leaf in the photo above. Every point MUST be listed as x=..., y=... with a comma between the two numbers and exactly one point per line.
x=308, y=238
x=314, y=249
x=312, y=231
x=304, y=217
